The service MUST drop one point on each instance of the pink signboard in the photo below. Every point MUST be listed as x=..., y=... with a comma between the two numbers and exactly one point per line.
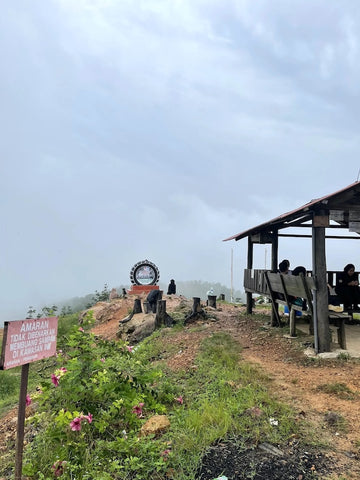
x=27, y=341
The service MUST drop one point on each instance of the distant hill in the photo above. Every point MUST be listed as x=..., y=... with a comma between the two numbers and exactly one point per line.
x=189, y=289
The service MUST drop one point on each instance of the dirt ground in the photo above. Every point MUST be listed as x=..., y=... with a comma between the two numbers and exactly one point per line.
x=295, y=379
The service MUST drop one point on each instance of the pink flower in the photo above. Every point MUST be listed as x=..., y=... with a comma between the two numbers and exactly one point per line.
x=76, y=424
x=63, y=370
x=58, y=468
x=165, y=454
x=55, y=379
x=81, y=329
x=137, y=409
x=102, y=360
x=28, y=400
x=180, y=399
x=87, y=417
x=129, y=348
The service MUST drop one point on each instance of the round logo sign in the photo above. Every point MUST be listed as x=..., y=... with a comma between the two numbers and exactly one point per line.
x=144, y=273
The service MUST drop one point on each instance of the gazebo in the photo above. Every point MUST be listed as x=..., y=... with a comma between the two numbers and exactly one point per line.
x=339, y=210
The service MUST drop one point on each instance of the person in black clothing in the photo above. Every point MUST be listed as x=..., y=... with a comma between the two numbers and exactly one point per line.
x=347, y=287
x=296, y=272
x=284, y=267
x=153, y=298
x=171, y=288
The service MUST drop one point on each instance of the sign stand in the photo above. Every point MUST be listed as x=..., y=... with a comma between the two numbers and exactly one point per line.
x=26, y=341
x=21, y=421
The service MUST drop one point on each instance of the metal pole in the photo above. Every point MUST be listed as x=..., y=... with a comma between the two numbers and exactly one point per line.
x=21, y=421
x=231, y=294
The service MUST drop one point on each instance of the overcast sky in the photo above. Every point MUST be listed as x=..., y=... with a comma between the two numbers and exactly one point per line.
x=154, y=129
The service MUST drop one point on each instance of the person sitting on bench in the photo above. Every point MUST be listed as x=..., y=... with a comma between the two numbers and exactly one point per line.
x=347, y=287
x=298, y=300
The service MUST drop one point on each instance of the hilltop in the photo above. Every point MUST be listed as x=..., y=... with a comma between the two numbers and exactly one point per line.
x=307, y=385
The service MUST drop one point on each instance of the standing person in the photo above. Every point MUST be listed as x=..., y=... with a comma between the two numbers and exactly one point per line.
x=347, y=287
x=171, y=288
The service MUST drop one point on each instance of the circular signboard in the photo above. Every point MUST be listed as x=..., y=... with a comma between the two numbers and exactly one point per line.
x=144, y=273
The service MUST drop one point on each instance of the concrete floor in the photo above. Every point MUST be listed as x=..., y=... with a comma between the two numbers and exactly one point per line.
x=352, y=333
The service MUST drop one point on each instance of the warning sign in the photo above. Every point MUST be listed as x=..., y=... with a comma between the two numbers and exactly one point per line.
x=27, y=341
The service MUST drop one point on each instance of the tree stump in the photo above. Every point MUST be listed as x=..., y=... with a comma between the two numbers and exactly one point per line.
x=196, y=308
x=146, y=306
x=137, y=306
x=212, y=301
x=195, y=312
x=162, y=318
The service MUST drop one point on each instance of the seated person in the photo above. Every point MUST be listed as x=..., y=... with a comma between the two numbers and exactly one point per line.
x=300, y=301
x=333, y=299
x=347, y=287
x=171, y=288
x=284, y=267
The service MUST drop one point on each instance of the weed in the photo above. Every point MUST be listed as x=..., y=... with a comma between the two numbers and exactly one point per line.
x=344, y=356
x=339, y=389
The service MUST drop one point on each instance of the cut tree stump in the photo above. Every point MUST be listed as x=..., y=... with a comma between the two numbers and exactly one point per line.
x=162, y=318
x=137, y=306
x=212, y=301
x=196, y=312
x=146, y=306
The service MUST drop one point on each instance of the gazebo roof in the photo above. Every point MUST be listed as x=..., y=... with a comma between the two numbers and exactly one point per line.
x=342, y=206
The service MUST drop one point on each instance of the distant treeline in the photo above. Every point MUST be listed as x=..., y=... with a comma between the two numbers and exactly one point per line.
x=189, y=289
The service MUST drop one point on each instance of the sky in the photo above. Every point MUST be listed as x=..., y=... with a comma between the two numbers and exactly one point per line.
x=154, y=129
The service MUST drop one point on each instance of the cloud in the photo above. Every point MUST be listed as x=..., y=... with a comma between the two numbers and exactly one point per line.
x=154, y=129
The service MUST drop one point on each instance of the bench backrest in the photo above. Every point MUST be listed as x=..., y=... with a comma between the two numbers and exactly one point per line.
x=297, y=286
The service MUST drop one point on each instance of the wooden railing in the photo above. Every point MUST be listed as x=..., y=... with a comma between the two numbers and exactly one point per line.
x=254, y=280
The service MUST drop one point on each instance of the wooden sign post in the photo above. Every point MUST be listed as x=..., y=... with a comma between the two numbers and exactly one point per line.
x=24, y=342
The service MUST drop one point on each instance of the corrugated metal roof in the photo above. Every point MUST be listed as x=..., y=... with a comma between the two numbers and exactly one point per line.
x=313, y=205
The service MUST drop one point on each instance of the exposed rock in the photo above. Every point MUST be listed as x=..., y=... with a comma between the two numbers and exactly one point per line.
x=140, y=326
x=156, y=425
x=103, y=312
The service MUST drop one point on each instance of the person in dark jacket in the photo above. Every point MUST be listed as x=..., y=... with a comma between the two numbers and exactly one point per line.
x=171, y=288
x=347, y=287
x=152, y=298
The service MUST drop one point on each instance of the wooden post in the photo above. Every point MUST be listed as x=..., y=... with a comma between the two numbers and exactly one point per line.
x=21, y=421
x=137, y=306
x=222, y=297
x=212, y=301
x=292, y=322
x=250, y=256
x=321, y=313
x=146, y=306
x=275, y=318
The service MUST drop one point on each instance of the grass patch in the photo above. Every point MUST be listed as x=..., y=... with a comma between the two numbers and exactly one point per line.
x=341, y=390
x=222, y=397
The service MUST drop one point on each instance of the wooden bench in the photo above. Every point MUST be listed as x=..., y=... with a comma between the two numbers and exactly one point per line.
x=285, y=289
